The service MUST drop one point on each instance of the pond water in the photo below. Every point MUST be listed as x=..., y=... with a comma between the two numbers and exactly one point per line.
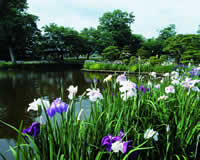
x=19, y=88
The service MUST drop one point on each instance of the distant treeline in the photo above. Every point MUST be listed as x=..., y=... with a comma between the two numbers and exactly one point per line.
x=21, y=39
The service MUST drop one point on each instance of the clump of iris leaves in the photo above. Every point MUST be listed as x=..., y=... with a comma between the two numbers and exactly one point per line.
x=176, y=119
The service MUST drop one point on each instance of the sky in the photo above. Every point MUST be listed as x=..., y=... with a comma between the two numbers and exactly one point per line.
x=150, y=15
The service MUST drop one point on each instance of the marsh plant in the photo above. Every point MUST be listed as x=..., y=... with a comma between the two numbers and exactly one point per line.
x=127, y=121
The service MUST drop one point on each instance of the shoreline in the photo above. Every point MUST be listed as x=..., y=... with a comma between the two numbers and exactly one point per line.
x=111, y=71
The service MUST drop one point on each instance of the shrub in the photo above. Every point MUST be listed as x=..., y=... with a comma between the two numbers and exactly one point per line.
x=133, y=60
x=111, y=53
x=154, y=60
x=87, y=64
x=125, y=61
x=122, y=67
x=163, y=69
x=133, y=68
x=95, y=66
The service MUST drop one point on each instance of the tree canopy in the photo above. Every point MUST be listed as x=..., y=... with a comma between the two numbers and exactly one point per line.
x=17, y=28
x=118, y=23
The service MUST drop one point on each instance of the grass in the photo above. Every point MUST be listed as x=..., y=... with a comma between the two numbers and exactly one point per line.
x=131, y=68
x=176, y=119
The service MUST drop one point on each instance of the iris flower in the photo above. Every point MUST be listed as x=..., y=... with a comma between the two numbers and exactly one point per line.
x=108, y=78
x=115, y=143
x=33, y=130
x=72, y=91
x=120, y=78
x=57, y=106
x=94, y=94
x=34, y=105
x=170, y=89
x=151, y=133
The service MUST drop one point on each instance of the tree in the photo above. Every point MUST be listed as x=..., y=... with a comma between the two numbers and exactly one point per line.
x=152, y=46
x=111, y=53
x=136, y=42
x=53, y=39
x=117, y=23
x=16, y=26
x=198, y=31
x=180, y=44
x=90, y=40
x=167, y=32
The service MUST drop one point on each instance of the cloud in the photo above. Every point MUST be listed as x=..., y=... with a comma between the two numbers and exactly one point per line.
x=150, y=16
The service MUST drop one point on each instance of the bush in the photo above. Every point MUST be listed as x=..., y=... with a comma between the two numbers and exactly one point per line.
x=122, y=67
x=111, y=53
x=133, y=60
x=87, y=64
x=95, y=66
x=125, y=61
x=133, y=68
x=154, y=60
x=163, y=69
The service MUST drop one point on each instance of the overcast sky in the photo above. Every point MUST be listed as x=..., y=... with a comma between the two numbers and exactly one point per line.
x=150, y=15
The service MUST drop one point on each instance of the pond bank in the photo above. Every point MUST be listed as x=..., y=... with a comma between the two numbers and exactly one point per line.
x=39, y=65
x=118, y=72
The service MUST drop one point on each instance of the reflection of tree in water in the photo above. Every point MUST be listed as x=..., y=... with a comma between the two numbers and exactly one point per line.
x=18, y=90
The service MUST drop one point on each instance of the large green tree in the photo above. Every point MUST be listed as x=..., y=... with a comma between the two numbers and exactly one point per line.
x=167, y=32
x=17, y=28
x=181, y=44
x=64, y=40
x=151, y=47
x=198, y=31
x=118, y=23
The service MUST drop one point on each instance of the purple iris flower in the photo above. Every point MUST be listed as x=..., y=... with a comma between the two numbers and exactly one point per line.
x=142, y=88
x=57, y=106
x=147, y=89
x=95, y=80
x=33, y=130
x=108, y=140
x=121, y=134
x=126, y=145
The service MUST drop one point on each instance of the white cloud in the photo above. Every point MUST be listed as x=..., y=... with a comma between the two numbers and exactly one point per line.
x=150, y=16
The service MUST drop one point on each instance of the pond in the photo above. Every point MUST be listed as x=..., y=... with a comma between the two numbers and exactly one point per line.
x=19, y=88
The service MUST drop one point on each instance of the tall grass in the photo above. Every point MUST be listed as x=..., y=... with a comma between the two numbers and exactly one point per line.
x=176, y=119
x=132, y=68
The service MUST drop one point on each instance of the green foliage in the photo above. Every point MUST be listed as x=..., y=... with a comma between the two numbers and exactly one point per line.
x=94, y=66
x=122, y=67
x=111, y=53
x=190, y=55
x=87, y=65
x=118, y=24
x=125, y=61
x=146, y=67
x=167, y=32
x=133, y=60
x=154, y=60
x=179, y=44
x=17, y=28
x=143, y=52
x=175, y=119
x=125, y=53
x=198, y=31
x=163, y=69
x=133, y=68
x=163, y=57
x=136, y=42
x=105, y=66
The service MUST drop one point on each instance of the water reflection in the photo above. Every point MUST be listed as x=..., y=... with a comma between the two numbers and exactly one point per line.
x=19, y=88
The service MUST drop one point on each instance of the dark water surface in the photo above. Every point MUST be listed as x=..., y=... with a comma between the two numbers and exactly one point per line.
x=19, y=88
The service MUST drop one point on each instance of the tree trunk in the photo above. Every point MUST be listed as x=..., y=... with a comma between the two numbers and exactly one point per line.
x=12, y=55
